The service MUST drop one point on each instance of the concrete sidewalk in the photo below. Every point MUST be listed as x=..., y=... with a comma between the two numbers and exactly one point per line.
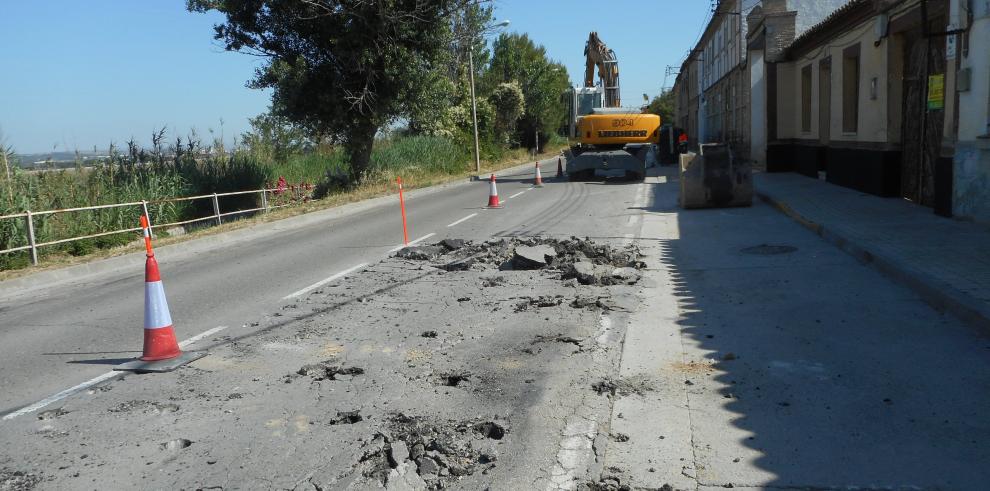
x=947, y=262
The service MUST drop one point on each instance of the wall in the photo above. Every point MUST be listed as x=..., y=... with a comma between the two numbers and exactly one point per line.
x=757, y=108
x=971, y=163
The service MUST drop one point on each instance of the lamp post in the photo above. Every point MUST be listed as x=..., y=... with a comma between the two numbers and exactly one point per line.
x=474, y=102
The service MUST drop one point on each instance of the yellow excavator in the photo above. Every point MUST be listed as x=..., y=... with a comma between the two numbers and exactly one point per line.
x=608, y=136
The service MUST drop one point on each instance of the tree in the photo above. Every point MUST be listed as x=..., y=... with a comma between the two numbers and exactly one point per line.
x=274, y=138
x=342, y=69
x=663, y=105
x=515, y=58
x=509, y=105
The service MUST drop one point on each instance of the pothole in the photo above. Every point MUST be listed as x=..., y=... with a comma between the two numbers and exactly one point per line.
x=768, y=249
x=177, y=444
x=437, y=454
x=325, y=370
x=52, y=414
x=454, y=379
x=347, y=418
x=490, y=429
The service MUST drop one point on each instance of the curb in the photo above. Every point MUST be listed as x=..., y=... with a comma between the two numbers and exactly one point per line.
x=125, y=263
x=940, y=295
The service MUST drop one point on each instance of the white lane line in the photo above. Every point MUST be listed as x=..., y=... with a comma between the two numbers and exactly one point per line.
x=517, y=194
x=463, y=219
x=95, y=380
x=204, y=334
x=61, y=395
x=325, y=281
x=427, y=236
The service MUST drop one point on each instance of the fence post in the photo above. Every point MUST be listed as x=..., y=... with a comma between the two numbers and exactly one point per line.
x=144, y=206
x=31, y=241
x=216, y=208
x=264, y=199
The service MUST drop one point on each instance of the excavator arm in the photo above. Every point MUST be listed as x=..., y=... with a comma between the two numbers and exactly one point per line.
x=598, y=55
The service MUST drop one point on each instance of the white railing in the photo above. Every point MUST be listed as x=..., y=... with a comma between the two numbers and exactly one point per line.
x=295, y=194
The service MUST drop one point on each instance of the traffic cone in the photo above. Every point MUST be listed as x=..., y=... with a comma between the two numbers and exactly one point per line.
x=560, y=169
x=161, y=351
x=493, y=194
x=159, y=336
x=538, y=183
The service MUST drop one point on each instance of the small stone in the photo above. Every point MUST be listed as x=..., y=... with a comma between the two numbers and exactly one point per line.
x=427, y=466
x=729, y=356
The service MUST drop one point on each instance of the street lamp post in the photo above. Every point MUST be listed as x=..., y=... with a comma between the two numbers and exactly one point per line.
x=474, y=102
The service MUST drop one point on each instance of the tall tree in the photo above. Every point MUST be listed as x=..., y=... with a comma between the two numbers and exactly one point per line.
x=342, y=69
x=516, y=58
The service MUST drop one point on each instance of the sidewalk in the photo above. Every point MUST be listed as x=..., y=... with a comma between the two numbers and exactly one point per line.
x=946, y=261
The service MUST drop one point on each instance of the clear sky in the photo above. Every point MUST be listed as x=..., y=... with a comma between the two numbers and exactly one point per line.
x=78, y=74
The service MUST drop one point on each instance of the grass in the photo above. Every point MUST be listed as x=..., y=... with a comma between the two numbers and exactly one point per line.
x=446, y=164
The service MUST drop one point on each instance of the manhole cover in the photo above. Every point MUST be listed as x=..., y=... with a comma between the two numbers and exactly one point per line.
x=769, y=250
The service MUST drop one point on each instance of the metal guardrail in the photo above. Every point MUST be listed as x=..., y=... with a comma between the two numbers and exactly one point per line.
x=33, y=245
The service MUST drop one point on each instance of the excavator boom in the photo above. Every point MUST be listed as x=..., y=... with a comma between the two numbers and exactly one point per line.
x=600, y=56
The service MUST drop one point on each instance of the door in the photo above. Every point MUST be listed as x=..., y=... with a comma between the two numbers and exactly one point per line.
x=921, y=126
x=825, y=100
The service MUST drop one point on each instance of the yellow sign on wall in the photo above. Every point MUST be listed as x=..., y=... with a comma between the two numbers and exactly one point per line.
x=936, y=91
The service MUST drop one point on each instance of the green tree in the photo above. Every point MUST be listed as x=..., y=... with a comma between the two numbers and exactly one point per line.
x=342, y=69
x=274, y=138
x=516, y=58
x=663, y=106
x=509, y=105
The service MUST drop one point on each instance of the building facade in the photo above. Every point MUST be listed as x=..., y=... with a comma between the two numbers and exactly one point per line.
x=716, y=79
x=888, y=97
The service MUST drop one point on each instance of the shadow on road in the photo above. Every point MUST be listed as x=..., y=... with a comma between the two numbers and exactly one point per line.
x=805, y=369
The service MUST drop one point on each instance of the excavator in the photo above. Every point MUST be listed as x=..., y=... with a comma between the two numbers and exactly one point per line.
x=608, y=136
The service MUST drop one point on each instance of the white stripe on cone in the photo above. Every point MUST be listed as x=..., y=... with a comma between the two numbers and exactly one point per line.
x=156, y=315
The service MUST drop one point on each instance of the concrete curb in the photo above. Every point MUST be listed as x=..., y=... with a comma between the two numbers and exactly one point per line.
x=125, y=263
x=939, y=294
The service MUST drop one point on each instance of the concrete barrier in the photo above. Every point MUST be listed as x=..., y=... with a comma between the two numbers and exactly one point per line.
x=714, y=179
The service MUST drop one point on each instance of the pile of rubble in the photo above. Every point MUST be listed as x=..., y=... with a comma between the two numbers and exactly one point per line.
x=583, y=260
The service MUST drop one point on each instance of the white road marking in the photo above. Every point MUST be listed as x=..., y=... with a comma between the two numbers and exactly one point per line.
x=95, y=380
x=517, y=194
x=61, y=395
x=463, y=219
x=325, y=281
x=204, y=334
x=427, y=236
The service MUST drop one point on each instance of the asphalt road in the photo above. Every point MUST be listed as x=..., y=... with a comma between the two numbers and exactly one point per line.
x=55, y=338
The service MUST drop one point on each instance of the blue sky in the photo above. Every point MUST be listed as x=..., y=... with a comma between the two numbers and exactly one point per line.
x=77, y=74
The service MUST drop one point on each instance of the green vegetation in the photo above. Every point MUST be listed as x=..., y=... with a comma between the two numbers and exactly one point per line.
x=663, y=105
x=361, y=94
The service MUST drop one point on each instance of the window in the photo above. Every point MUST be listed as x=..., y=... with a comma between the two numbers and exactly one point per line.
x=806, y=99
x=850, y=89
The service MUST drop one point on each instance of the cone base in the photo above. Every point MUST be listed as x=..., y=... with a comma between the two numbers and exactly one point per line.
x=160, y=366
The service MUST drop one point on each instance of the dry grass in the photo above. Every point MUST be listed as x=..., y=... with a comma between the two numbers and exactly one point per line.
x=380, y=186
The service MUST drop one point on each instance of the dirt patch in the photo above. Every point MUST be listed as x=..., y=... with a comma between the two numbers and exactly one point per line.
x=52, y=413
x=413, y=450
x=700, y=367
x=539, y=302
x=454, y=379
x=11, y=480
x=145, y=407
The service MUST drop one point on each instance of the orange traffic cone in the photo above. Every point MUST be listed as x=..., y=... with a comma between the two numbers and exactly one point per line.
x=560, y=169
x=493, y=194
x=161, y=350
x=538, y=183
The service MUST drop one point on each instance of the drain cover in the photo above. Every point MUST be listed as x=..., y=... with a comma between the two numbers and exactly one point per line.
x=769, y=250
